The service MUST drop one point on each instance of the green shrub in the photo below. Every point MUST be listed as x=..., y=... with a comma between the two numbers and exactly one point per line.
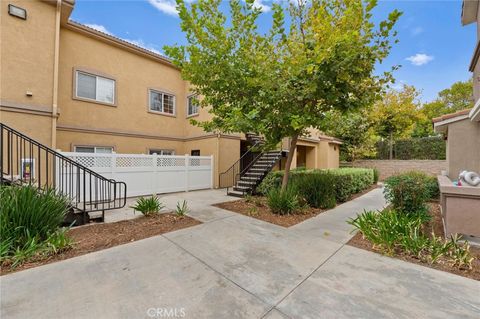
x=407, y=192
x=182, y=209
x=30, y=222
x=350, y=181
x=376, y=176
x=392, y=232
x=148, y=205
x=283, y=202
x=317, y=189
x=387, y=229
x=433, y=190
x=271, y=181
x=346, y=181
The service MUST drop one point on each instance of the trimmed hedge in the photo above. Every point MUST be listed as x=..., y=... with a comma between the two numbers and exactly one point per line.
x=425, y=148
x=344, y=182
x=316, y=189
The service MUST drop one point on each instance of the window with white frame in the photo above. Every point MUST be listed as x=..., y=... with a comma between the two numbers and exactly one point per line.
x=94, y=87
x=161, y=152
x=162, y=102
x=192, y=105
x=94, y=149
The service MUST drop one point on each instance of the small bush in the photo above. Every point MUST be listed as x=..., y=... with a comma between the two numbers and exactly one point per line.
x=376, y=175
x=407, y=192
x=30, y=222
x=317, y=189
x=283, y=202
x=433, y=190
x=148, y=205
x=182, y=209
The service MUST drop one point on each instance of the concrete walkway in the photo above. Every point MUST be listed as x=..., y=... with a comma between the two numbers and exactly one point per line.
x=233, y=266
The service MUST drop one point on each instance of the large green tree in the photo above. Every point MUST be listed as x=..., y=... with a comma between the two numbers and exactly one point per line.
x=355, y=129
x=317, y=56
x=455, y=98
x=395, y=115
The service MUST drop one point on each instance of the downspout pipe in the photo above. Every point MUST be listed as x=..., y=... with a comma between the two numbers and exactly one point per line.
x=55, y=73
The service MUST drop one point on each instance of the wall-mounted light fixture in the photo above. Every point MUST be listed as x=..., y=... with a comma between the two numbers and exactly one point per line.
x=17, y=12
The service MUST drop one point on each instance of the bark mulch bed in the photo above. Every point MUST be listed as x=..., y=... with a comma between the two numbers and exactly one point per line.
x=257, y=207
x=436, y=225
x=94, y=237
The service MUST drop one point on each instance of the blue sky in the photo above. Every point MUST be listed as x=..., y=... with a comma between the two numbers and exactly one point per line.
x=434, y=49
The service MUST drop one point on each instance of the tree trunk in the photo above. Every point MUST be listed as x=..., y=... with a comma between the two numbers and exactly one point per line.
x=291, y=151
x=391, y=146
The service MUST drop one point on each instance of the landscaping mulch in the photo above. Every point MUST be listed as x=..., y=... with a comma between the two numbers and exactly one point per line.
x=94, y=237
x=436, y=225
x=257, y=208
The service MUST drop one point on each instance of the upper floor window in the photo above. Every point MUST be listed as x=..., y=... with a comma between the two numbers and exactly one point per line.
x=192, y=105
x=162, y=102
x=94, y=87
x=161, y=152
x=94, y=149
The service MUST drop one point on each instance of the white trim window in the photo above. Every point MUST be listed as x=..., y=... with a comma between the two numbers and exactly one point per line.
x=94, y=87
x=192, y=105
x=161, y=152
x=161, y=102
x=94, y=149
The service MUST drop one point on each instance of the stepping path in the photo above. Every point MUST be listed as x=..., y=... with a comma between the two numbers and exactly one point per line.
x=233, y=266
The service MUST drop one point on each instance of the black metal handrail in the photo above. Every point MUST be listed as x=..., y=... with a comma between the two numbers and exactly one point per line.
x=230, y=177
x=24, y=160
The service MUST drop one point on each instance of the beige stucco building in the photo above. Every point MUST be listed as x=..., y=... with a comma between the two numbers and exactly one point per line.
x=74, y=88
x=460, y=202
x=462, y=129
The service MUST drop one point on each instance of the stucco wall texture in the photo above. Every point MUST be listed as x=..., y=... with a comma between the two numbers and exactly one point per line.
x=388, y=168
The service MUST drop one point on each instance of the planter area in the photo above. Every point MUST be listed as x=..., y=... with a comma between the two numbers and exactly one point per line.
x=435, y=225
x=94, y=237
x=411, y=228
x=310, y=193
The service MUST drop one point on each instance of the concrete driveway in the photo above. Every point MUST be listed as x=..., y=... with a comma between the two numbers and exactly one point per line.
x=233, y=266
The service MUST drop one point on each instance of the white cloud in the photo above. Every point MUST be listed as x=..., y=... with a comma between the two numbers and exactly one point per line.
x=142, y=44
x=259, y=4
x=98, y=27
x=416, y=31
x=420, y=59
x=165, y=6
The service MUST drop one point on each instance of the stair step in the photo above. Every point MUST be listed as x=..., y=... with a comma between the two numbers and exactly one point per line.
x=245, y=183
x=235, y=193
x=242, y=188
x=248, y=174
x=248, y=178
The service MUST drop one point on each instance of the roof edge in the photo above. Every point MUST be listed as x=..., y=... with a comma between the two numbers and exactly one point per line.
x=469, y=11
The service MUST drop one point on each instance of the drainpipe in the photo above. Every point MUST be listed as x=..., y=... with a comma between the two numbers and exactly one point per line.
x=55, y=74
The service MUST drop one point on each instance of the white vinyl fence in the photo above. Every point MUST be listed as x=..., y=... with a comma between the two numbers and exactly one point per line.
x=150, y=174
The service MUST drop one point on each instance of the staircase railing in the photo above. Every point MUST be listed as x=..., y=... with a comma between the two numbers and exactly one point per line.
x=24, y=160
x=231, y=176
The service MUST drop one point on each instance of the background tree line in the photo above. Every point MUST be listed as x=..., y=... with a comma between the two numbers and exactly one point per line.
x=398, y=119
